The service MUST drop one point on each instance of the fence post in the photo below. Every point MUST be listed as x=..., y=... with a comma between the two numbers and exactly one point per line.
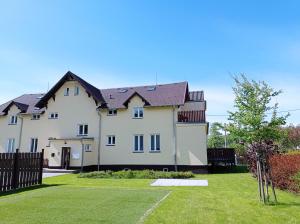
x=16, y=170
x=41, y=167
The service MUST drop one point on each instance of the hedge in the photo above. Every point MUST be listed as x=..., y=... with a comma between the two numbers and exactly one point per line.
x=136, y=174
x=285, y=171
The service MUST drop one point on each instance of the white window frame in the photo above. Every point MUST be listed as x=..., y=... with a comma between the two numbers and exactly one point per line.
x=111, y=140
x=155, y=148
x=112, y=112
x=67, y=91
x=35, y=116
x=13, y=120
x=10, y=148
x=33, y=146
x=85, y=131
x=53, y=115
x=87, y=147
x=140, y=112
x=139, y=148
x=76, y=90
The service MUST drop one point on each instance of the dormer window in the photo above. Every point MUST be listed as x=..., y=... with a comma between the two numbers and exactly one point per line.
x=67, y=92
x=76, y=91
x=13, y=120
x=138, y=112
x=112, y=112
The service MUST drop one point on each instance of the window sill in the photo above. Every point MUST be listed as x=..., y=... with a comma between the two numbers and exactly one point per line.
x=52, y=118
x=137, y=151
x=137, y=117
x=110, y=145
x=89, y=151
x=154, y=151
x=82, y=135
x=12, y=124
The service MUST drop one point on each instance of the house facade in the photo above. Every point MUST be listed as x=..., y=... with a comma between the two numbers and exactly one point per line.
x=81, y=126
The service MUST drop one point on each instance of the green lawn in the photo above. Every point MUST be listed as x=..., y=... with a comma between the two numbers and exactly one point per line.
x=229, y=198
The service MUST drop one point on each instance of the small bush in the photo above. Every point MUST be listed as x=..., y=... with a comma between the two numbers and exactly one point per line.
x=137, y=174
x=284, y=170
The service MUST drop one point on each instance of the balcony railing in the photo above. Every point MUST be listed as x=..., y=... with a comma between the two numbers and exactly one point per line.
x=194, y=116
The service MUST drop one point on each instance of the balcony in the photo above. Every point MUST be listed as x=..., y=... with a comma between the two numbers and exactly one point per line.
x=193, y=116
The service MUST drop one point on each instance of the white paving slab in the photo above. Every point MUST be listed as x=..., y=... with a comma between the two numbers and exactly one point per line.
x=179, y=182
x=45, y=175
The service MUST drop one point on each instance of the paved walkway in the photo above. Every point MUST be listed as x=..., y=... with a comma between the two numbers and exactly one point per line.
x=45, y=175
x=179, y=182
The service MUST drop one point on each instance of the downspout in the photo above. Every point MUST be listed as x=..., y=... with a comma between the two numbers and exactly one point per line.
x=20, y=133
x=175, y=139
x=99, y=140
x=82, y=155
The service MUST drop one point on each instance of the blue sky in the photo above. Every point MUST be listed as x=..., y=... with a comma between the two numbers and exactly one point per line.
x=117, y=43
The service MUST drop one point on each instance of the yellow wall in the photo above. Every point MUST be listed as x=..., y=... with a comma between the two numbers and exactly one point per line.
x=73, y=110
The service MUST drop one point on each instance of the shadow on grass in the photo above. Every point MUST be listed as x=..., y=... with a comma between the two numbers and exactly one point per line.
x=28, y=189
x=227, y=169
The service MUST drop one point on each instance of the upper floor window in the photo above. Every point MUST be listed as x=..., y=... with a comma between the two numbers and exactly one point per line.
x=111, y=140
x=83, y=129
x=10, y=145
x=67, y=91
x=35, y=117
x=112, y=112
x=155, y=142
x=76, y=91
x=53, y=115
x=138, y=143
x=138, y=112
x=33, y=144
x=13, y=119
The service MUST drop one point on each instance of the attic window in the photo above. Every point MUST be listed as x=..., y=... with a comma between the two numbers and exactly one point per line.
x=123, y=90
x=67, y=91
x=151, y=88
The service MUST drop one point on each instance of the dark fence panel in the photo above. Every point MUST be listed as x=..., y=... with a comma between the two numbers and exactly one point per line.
x=194, y=116
x=20, y=170
x=224, y=156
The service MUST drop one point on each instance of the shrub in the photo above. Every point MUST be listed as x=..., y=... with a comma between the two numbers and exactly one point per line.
x=137, y=174
x=284, y=170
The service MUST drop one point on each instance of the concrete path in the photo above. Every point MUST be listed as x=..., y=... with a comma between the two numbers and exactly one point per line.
x=179, y=182
x=45, y=175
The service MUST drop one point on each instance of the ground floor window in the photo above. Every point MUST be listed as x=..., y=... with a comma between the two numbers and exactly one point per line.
x=155, y=142
x=138, y=143
x=10, y=145
x=111, y=140
x=33, y=144
x=87, y=147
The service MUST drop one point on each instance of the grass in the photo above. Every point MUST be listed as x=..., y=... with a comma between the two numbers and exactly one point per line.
x=229, y=198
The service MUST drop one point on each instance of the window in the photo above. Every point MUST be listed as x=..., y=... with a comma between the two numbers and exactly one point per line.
x=13, y=120
x=10, y=145
x=112, y=112
x=87, y=147
x=33, y=144
x=138, y=143
x=111, y=140
x=83, y=129
x=138, y=112
x=154, y=142
x=67, y=91
x=53, y=116
x=76, y=91
x=35, y=117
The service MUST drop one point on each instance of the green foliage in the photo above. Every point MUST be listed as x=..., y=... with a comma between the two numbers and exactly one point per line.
x=136, y=174
x=215, y=138
x=254, y=120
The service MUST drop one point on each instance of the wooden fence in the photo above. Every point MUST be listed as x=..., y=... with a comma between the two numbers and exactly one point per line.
x=217, y=156
x=20, y=170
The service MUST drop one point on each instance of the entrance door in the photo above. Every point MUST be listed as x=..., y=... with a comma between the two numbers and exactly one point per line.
x=65, y=157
